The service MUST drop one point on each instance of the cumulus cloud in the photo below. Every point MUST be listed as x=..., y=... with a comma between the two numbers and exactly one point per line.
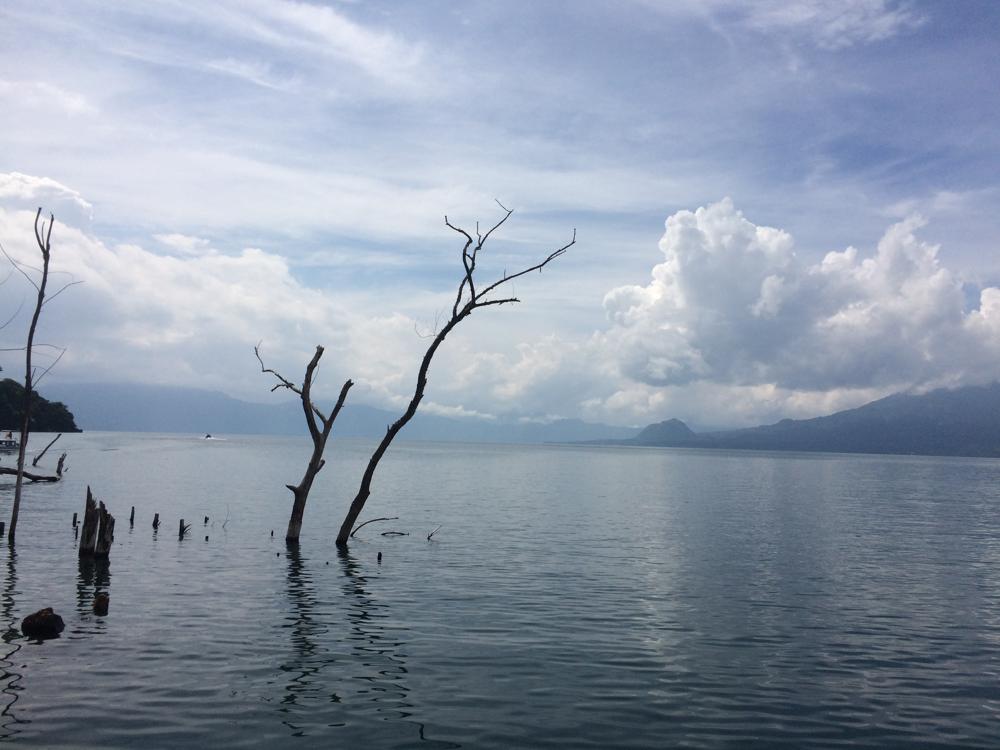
x=29, y=192
x=733, y=304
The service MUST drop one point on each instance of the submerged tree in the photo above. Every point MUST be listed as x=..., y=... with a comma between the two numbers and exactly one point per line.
x=468, y=299
x=43, y=237
x=319, y=432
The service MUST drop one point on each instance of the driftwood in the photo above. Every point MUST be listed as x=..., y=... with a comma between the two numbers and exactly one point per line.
x=372, y=520
x=434, y=532
x=36, y=459
x=30, y=476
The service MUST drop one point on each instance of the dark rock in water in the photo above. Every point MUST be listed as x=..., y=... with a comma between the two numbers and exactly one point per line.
x=101, y=602
x=42, y=624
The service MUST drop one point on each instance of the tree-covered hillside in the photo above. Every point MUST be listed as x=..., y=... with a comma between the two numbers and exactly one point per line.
x=46, y=416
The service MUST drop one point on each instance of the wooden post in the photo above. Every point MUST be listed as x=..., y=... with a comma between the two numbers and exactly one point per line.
x=2, y=524
x=206, y=520
x=131, y=517
x=183, y=529
x=74, y=520
x=59, y=466
x=91, y=519
x=156, y=521
x=105, y=533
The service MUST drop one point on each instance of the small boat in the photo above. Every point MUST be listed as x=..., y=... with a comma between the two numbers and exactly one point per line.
x=8, y=443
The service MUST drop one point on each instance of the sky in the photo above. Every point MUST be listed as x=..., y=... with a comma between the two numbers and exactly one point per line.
x=782, y=208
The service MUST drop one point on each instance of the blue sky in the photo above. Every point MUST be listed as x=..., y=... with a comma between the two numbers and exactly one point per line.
x=212, y=163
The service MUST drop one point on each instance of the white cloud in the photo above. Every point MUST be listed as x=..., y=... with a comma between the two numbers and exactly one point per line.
x=184, y=244
x=834, y=25
x=828, y=25
x=732, y=304
x=45, y=96
x=27, y=191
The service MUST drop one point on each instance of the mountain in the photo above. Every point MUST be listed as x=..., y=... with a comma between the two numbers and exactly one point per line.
x=673, y=431
x=145, y=408
x=46, y=416
x=957, y=422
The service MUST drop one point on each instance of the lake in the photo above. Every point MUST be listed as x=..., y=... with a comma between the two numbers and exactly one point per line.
x=574, y=597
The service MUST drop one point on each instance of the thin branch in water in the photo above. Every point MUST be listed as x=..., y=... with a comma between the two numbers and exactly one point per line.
x=45, y=450
x=434, y=532
x=373, y=520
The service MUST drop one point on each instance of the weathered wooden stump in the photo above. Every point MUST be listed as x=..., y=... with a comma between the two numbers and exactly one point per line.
x=131, y=518
x=91, y=523
x=43, y=624
x=74, y=520
x=156, y=521
x=105, y=532
x=98, y=529
x=183, y=529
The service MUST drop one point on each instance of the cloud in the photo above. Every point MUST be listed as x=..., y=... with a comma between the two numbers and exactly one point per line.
x=824, y=24
x=45, y=96
x=183, y=244
x=833, y=25
x=29, y=192
x=732, y=304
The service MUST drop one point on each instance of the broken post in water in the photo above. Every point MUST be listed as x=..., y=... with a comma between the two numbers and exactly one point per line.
x=98, y=529
x=105, y=532
x=156, y=521
x=91, y=518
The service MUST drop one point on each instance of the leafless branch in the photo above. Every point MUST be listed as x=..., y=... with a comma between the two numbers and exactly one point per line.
x=467, y=300
x=36, y=459
x=434, y=532
x=372, y=520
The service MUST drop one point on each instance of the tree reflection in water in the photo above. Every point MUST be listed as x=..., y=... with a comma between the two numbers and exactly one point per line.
x=343, y=653
x=10, y=679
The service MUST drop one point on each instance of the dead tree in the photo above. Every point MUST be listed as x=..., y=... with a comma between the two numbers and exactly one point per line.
x=470, y=298
x=318, y=431
x=43, y=236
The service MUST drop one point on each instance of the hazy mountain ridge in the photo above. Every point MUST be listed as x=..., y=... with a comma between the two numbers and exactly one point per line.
x=945, y=422
x=145, y=408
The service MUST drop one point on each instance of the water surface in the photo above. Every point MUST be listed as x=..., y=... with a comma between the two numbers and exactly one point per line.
x=574, y=597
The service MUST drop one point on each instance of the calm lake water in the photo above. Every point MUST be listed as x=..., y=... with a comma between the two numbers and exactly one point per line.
x=574, y=597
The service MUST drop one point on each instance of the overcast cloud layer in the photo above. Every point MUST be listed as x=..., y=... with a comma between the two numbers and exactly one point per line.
x=228, y=173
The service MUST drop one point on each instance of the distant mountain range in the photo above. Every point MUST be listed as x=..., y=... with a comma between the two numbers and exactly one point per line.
x=144, y=408
x=959, y=422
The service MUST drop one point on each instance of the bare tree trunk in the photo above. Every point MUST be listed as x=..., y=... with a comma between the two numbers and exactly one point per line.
x=300, y=492
x=44, y=246
x=467, y=300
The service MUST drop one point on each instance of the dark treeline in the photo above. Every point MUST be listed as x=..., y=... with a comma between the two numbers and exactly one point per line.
x=46, y=416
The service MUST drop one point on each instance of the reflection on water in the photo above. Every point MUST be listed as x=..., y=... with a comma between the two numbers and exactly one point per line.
x=10, y=679
x=306, y=633
x=581, y=597
x=93, y=578
x=345, y=660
